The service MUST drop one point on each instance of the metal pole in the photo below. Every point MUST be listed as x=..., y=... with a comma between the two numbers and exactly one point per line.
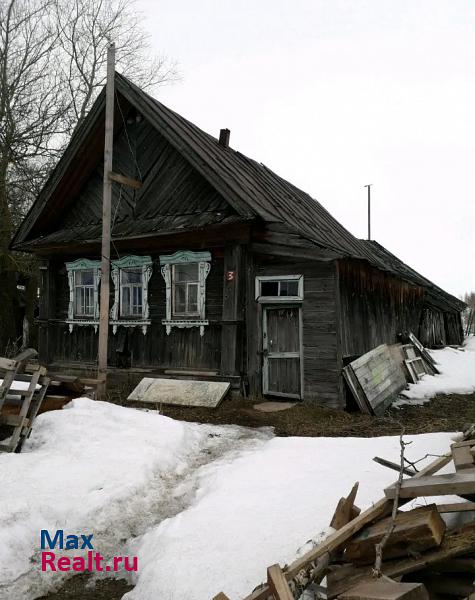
x=369, y=209
x=106, y=227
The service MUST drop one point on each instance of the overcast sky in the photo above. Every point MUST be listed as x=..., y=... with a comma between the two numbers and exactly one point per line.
x=335, y=94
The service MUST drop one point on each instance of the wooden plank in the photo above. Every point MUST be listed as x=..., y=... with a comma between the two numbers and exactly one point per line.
x=356, y=390
x=25, y=355
x=17, y=432
x=462, y=456
x=414, y=531
x=14, y=420
x=233, y=280
x=5, y=386
x=343, y=512
x=384, y=589
x=456, y=507
x=438, y=485
x=456, y=543
x=336, y=540
x=278, y=584
x=394, y=466
x=123, y=180
x=378, y=375
x=7, y=364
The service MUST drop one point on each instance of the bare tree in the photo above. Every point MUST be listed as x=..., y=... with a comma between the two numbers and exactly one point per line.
x=85, y=29
x=31, y=111
x=468, y=315
x=52, y=65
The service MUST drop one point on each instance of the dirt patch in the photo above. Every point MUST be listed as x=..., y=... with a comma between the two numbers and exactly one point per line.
x=443, y=413
x=77, y=588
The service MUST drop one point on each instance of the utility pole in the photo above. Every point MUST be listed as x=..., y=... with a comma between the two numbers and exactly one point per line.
x=369, y=209
x=106, y=226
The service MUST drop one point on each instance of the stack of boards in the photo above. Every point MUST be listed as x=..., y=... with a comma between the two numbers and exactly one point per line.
x=376, y=378
x=422, y=559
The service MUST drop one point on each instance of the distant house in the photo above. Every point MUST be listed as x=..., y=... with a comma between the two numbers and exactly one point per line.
x=221, y=269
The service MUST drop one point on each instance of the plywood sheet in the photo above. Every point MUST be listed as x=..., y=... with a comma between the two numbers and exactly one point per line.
x=189, y=392
x=379, y=376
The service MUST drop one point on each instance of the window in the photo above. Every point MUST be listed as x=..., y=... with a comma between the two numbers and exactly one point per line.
x=185, y=276
x=83, y=277
x=280, y=288
x=131, y=275
x=185, y=284
x=131, y=293
x=84, y=293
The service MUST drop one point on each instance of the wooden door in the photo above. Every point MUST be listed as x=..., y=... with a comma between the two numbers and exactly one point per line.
x=281, y=345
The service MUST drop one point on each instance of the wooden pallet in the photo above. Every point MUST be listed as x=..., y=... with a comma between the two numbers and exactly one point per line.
x=14, y=372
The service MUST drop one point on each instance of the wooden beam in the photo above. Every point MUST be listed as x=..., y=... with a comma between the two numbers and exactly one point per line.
x=394, y=466
x=456, y=543
x=456, y=507
x=335, y=540
x=383, y=589
x=463, y=458
x=106, y=226
x=128, y=181
x=221, y=596
x=233, y=287
x=438, y=485
x=414, y=531
x=278, y=584
x=343, y=512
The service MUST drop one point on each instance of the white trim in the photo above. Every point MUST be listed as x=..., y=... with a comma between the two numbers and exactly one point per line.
x=83, y=264
x=204, y=267
x=141, y=263
x=279, y=299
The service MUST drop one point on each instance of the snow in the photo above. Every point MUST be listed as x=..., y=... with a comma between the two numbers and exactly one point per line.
x=259, y=509
x=205, y=508
x=457, y=375
x=93, y=467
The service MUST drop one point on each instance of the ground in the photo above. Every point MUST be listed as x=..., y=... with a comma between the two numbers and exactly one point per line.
x=189, y=495
x=446, y=412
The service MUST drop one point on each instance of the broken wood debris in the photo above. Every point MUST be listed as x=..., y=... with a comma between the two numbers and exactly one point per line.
x=421, y=559
x=25, y=383
x=376, y=378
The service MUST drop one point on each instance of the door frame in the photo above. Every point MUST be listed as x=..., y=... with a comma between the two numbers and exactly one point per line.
x=265, y=361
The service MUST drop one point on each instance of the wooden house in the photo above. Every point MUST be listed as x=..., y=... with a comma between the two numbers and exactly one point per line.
x=221, y=269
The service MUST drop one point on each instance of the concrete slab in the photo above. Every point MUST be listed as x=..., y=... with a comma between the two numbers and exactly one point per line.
x=270, y=407
x=190, y=392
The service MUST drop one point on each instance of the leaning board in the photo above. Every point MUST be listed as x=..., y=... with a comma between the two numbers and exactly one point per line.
x=380, y=377
x=189, y=392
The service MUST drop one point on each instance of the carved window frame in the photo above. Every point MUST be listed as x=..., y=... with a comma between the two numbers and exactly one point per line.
x=145, y=264
x=83, y=264
x=204, y=266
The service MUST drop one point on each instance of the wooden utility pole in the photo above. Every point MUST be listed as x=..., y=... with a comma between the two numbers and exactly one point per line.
x=106, y=226
x=369, y=209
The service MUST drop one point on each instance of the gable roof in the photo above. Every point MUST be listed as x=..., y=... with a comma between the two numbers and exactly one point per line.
x=254, y=191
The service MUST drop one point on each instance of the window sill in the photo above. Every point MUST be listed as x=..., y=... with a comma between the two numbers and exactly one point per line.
x=82, y=323
x=185, y=324
x=143, y=323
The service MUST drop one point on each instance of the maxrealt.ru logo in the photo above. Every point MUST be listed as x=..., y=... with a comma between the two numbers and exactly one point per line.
x=93, y=561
